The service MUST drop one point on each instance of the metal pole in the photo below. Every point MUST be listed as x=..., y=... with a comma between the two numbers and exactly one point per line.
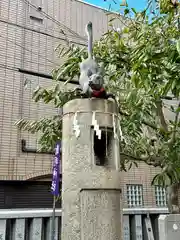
x=53, y=219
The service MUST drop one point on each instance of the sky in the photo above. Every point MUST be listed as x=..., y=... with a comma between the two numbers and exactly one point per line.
x=137, y=4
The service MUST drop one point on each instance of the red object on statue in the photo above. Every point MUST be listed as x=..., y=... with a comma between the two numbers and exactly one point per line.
x=100, y=93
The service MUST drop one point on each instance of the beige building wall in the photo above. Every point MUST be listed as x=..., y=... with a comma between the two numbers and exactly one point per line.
x=28, y=38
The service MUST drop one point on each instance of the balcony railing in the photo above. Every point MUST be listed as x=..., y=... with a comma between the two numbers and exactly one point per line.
x=35, y=224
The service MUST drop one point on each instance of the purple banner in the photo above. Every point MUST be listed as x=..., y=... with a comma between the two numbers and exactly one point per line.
x=56, y=171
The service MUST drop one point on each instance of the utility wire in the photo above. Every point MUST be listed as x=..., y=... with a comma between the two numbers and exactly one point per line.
x=16, y=69
x=33, y=73
x=55, y=21
x=37, y=31
x=9, y=67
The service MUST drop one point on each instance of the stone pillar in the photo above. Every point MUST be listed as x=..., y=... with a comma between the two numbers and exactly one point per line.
x=91, y=194
x=169, y=227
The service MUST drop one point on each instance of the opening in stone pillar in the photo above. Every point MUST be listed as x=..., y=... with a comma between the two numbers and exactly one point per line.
x=103, y=147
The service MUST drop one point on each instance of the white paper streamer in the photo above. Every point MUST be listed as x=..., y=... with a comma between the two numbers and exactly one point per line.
x=96, y=126
x=114, y=127
x=76, y=127
x=120, y=131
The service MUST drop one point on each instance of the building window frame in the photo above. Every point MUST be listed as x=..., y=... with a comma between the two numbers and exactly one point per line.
x=134, y=195
x=160, y=196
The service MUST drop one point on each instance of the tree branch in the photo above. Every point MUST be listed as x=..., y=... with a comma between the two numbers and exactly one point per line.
x=161, y=115
x=175, y=124
x=152, y=161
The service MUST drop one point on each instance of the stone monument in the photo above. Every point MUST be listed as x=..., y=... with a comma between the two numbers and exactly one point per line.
x=91, y=194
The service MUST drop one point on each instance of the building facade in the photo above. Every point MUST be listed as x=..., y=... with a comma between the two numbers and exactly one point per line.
x=30, y=30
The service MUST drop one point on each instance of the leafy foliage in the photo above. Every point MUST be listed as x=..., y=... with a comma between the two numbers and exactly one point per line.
x=50, y=129
x=165, y=6
x=141, y=67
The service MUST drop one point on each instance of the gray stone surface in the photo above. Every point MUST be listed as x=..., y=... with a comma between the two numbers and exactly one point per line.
x=148, y=230
x=49, y=229
x=126, y=227
x=100, y=214
x=19, y=229
x=36, y=229
x=89, y=192
x=3, y=224
x=169, y=227
x=136, y=227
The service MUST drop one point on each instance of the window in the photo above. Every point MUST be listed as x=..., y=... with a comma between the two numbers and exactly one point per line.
x=37, y=19
x=134, y=195
x=160, y=195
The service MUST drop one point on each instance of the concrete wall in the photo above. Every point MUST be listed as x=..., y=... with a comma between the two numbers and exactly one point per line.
x=29, y=44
